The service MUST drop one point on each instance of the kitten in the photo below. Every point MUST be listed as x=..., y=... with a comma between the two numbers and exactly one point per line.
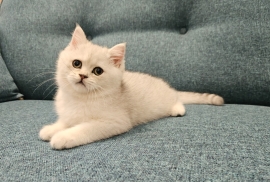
x=97, y=98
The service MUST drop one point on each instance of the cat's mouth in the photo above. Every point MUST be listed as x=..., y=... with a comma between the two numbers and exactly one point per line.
x=81, y=83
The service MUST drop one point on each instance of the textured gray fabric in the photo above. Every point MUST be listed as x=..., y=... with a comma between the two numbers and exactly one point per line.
x=229, y=143
x=8, y=89
x=225, y=49
x=213, y=46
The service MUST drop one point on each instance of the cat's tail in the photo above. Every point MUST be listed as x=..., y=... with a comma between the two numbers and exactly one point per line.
x=200, y=98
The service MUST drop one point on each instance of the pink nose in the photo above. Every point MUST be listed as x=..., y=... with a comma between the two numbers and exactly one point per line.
x=83, y=76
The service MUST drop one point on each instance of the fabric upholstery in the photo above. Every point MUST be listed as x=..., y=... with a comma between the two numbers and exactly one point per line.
x=229, y=143
x=219, y=46
x=8, y=89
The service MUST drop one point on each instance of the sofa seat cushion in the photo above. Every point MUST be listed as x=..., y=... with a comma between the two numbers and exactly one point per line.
x=229, y=143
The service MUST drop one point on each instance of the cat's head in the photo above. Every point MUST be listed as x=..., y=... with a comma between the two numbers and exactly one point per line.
x=84, y=67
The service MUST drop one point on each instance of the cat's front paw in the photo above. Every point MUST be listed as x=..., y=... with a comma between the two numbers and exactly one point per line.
x=63, y=140
x=48, y=131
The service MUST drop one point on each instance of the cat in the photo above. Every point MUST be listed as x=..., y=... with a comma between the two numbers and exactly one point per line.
x=98, y=99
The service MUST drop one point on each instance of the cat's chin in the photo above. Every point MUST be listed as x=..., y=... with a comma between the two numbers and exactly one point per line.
x=80, y=88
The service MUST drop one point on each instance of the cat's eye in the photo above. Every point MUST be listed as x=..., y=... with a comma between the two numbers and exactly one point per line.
x=97, y=71
x=77, y=64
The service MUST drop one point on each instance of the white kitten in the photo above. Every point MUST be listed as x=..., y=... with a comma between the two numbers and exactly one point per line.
x=97, y=98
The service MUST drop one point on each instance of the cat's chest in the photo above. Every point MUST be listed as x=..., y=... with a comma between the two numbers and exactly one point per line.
x=84, y=108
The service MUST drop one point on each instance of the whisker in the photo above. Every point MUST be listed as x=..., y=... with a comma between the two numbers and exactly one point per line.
x=40, y=74
x=50, y=92
x=64, y=86
x=48, y=87
x=42, y=84
x=95, y=94
x=56, y=87
x=99, y=88
x=94, y=91
x=45, y=69
x=88, y=93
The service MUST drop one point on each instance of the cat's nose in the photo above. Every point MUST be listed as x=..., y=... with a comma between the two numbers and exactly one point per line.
x=83, y=76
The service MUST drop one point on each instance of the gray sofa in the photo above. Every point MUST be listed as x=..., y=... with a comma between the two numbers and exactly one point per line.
x=218, y=46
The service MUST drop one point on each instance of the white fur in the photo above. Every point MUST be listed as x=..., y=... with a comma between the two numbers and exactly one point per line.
x=109, y=104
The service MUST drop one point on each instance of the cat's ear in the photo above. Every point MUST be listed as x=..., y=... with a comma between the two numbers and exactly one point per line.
x=78, y=37
x=117, y=54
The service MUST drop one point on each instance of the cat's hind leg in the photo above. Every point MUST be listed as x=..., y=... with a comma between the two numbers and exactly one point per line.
x=178, y=109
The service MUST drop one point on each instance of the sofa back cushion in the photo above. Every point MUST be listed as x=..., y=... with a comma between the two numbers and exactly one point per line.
x=8, y=89
x=220, y=47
